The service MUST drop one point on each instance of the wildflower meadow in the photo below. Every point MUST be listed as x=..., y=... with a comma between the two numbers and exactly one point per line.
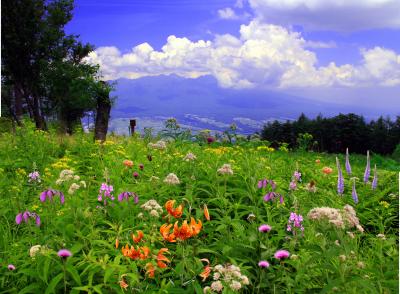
x=149, y=215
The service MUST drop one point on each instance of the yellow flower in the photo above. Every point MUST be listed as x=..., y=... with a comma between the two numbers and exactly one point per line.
x=34, y=207
x=21, y=172
x=384, y=204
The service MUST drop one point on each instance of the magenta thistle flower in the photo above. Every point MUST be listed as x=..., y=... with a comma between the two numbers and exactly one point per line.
x=210, y=140
x=281, y=254
x=141, y=166
x=50, y=194
x=348, y=166
x=135, y=175
x=64, y=253
x=340, y=184
x=25, y=216
x=263, y=264
x=264, y=228
x=375, y=180
x=11, y=267
x=354, y=192
x=367, y=169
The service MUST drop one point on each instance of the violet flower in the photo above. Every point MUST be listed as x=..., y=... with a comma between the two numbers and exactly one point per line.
x=354, y=192
x=367, y=169
x=297, y=175
x=340, y=184
x=25, y=216
x=293, y=185
x=263, y=264
x=264, y=228
x=11, y=267
x=281, y=254
x=64, y=253
x=375, y=180
x=34, y=177
x=295, y=223
x=126, y=195
x=50, y=194
x=348, y=166
x=105, y=192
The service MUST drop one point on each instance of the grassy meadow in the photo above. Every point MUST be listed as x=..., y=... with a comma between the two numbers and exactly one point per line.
x=226, y=230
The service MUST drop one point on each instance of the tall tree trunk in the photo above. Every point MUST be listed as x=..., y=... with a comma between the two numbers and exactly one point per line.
x=37, y=116
x=102, y=117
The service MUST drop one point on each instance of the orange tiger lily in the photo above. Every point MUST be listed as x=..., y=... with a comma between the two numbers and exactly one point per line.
x=161, y=258
x=206, y=213
x=150, y=270
x=207, y=269
x=146, y=252
x=184, y=232
x=116, y=243
x=175, y=212
x=196, y=227
x=130, y=252
x=164, y=230
x=138, y=238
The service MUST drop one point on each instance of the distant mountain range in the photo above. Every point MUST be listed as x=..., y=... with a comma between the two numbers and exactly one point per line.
x=202, y=104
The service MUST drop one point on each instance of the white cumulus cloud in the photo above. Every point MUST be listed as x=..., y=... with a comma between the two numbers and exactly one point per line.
x=264, y=55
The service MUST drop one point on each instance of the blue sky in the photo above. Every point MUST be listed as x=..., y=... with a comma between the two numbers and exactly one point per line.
x=287, y=45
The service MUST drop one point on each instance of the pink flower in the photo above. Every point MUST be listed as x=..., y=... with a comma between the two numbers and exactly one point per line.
x=264, y=228
x=11, y=267
x=141, y=166
x=263, y=264
x=64, y=253
x=281, y=254
x=135, y=174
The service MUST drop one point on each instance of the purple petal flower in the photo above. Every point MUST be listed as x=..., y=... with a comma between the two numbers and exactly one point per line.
x=263, y=264
x=18, y=218
x=264, y=228
x=269, y=196
x=11, y=267
x=273, y=185
x=62, y=198
x=136, y=199
x=354, y=193
x=260, y=184
x=281, y=199
x=135, y=174
x=64, y=253
x=26, y=216
x=348, y=166
x=340, y=184
x=281, y=254
x=375, y=180
x=292, y=185
x=367, y=169
x=43, y=196
x=38, y=220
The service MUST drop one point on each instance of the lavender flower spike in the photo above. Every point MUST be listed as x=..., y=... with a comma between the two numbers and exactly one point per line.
x=367, y=169
x=340, y=184
x=348, y=166
x=375, y=180
x=354, y=192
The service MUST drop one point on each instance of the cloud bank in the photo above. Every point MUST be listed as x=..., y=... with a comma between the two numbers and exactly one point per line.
x=264, y=55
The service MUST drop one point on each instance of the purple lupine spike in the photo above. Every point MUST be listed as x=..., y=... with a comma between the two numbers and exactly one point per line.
x=367, y=169
x=348, y=166
x=354, y=192
x=340, y=184
x=18, y=218
x=375, y=180
x=43, y=196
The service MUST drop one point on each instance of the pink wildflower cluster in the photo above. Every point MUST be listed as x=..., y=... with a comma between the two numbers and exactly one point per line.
x=105, y=192
x=295, y=223
x=296, y=178
x=34, y=177
x=338, y=217
x=25, y=216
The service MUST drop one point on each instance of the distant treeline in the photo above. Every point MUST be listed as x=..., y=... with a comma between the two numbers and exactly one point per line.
x=337, y=133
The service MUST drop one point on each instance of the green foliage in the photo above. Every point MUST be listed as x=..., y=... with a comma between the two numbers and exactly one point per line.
x=89, y=229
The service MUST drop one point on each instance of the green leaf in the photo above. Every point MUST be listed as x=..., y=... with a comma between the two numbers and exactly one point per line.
x=30, y=289
x=74, y=273
x=53, y=284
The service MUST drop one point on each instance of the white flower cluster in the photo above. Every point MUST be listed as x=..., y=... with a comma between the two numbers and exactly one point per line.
x=228, y=276
x=160, y=145
x=172, y=179
x=226, y=169
x=338, y=217
x=153, y=207
x=67, y=175
x=37, y=249
x=189, y=157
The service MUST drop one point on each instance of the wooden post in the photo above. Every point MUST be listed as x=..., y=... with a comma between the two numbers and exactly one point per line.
x=132, y=124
